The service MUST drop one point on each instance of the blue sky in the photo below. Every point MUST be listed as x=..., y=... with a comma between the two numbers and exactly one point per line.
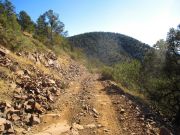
x=146, y=20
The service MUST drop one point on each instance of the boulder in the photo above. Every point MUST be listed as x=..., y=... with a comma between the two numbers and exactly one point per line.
x=90, y=126
x=34, y=120
x=50, y=97
x=39, y=108
x=2, y=127
x=122, y=111
x=95, y=111
x=2, y=121
x=52, y=56
x=15, y=117
x=18, y=54
x=77, y=126
x=3, y=52
x=9, y=128
x=20, y=96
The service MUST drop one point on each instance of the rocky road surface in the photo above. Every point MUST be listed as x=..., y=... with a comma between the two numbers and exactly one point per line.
x=93, y=107
x=44, y=105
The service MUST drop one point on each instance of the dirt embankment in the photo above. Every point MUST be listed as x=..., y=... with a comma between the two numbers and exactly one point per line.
x=60, y=97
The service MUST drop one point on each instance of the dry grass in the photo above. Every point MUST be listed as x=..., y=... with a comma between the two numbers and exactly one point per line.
x=5, y=91
x=5, y=71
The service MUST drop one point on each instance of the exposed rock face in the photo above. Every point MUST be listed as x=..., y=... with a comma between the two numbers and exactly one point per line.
x=34, y=91
x=32, y=96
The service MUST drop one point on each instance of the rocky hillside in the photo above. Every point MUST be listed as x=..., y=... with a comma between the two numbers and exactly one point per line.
x=43, y=94
x=109, y=47
x=30, y=84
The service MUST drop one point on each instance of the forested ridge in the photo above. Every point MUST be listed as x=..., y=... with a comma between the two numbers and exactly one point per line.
x=108, y=47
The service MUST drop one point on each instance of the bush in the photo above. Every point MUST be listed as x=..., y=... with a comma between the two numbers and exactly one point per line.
x=127, y=73
x=107, y=73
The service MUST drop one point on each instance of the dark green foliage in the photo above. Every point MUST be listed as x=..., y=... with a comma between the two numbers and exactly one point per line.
x=161, y=75
x=49, y=29
x=9, y=8
x=173, y=52
x=109, y=48
x=14, y=39
x=107, y=73
x=172, y=70
x=41, y=28
x=127, y=73
x=9, y=27
x=26, y=23
x=8, y=17
x=55, y=24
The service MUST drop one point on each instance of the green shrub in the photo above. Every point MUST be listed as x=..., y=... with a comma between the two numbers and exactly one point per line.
x=107, y=73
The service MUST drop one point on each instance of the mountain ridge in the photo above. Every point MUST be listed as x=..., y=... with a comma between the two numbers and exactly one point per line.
x=109, y=47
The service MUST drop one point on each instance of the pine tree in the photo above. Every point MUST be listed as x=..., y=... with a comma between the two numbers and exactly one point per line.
x=172, y=70
x=56, y=26
x=25, y=21
x=9, y=8
x=8, y=17
x=41, y=27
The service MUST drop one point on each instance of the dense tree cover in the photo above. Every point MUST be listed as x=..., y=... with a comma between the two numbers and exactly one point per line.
x=109, y=48
x=41, y=28
x=48, y=28
x=9, y=27
x=172, y=69
x=25, y=21
x=8, y=17
x=161, y=70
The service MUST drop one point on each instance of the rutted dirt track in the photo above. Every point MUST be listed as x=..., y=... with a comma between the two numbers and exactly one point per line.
x=86, y=109
x=90, y=107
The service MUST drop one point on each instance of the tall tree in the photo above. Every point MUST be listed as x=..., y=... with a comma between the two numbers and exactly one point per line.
x=8, y=17
x=173, y=69
x=9, y=7
x=2, y=13
x=42, y=27
x=26, y=22
x=56, y=26
x=1, y=7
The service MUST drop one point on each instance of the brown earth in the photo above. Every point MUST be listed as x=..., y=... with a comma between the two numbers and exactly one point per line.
x=93, y=107
x=85, y=105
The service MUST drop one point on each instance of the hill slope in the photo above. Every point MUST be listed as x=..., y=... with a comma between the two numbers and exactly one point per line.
x=109, y=47
x=33, y=93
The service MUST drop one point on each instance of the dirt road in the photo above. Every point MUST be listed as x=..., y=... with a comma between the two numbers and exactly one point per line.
x=93, y=107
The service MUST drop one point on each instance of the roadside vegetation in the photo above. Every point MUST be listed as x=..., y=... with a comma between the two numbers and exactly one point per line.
x=157, y=77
